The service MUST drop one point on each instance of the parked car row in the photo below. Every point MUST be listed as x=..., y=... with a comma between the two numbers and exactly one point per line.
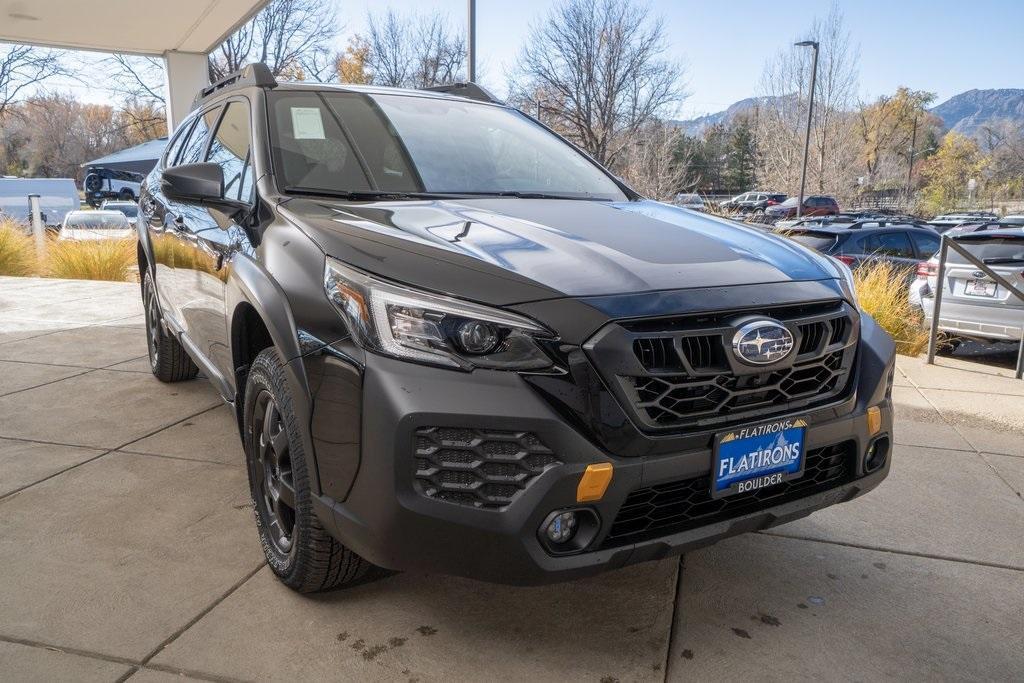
x=974, y=306
x=752, y=202
x=899, y=242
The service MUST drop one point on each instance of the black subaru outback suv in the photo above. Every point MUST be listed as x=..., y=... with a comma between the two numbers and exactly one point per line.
x=455, y=343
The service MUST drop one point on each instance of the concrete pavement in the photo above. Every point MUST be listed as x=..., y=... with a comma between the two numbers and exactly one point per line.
x=128, y=551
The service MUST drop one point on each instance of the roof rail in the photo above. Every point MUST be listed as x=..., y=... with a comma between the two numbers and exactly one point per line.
x=257, y=74
x=880, y=222
x=465, y=89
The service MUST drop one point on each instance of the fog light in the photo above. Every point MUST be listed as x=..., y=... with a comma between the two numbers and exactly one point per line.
x=562, y=527
x=877, y=453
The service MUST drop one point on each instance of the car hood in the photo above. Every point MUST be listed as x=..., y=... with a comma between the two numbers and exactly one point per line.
x=513, y=250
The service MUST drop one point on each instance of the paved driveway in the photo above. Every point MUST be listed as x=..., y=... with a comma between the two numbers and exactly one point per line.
x=127, y=548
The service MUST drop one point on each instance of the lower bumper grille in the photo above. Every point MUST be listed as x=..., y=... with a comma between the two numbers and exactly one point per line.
x=681, y=505
x=476, y=467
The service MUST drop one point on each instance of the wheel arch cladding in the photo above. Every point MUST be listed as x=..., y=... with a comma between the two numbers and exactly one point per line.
x=260, y=317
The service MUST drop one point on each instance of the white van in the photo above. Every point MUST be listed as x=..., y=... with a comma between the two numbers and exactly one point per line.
x=57, y=196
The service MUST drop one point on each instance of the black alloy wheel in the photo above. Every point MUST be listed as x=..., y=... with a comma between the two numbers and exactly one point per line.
x=299, y=550
x=272, y=473
x=167, y=357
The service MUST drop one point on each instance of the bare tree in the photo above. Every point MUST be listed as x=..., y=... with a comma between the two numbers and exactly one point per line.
x=136, y=78
x=25, y=66
x=782, y=109
x=292, y=37
x=654, y=162
x=413, y=51
x=604, y=62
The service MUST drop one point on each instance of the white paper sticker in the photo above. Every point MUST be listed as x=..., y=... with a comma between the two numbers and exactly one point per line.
x=307, y=123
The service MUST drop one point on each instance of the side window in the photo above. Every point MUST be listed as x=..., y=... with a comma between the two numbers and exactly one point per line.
x=230, y=149
x=895, y=244
x=926, y=244
x=175, y=144
x=192, y=151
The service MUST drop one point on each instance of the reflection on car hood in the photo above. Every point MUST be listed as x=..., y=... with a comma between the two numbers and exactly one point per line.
x=510, y=250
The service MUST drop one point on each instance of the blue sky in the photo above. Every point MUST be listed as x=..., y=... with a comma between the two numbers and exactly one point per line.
x=944, y=46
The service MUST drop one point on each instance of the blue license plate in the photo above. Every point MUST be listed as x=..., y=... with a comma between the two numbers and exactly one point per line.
x=752, y=457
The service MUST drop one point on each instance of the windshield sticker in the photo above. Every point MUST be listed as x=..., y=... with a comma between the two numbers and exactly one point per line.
x=307, y=123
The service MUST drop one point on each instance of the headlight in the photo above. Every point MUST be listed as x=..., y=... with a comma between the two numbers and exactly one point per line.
x=846, y=276
x=430, y=328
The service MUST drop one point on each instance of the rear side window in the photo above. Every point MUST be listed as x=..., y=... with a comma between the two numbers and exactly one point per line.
x=926, y=244
x=895, y=244
x=230, y=149
x=192, y=151
x=175, y=145
x=819, y=241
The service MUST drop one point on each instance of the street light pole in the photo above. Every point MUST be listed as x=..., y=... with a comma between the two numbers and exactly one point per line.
x=471, y=43
x=810, y=112
x=910, y=169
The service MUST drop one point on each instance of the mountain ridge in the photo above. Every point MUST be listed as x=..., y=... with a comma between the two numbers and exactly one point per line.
x=964, y=112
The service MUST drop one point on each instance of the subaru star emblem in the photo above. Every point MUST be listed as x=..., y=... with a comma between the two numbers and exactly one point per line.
x=761, y=342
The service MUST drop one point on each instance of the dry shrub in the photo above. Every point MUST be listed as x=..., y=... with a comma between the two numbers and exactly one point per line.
x=17, y=252
x=882, y=292
x=91, y=259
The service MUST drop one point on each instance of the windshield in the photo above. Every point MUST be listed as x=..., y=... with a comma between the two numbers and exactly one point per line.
x=350, y=142
x=129, y=210
x=792, y=201
x=98, y=221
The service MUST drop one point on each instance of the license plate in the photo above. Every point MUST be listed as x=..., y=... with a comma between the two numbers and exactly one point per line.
x=750, y=458
x=979, y=288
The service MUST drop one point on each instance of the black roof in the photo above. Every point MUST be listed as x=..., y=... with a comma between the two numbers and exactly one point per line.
x=842, y=227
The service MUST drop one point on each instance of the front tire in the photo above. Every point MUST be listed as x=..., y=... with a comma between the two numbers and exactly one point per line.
x=167, y=357
x=297, y=547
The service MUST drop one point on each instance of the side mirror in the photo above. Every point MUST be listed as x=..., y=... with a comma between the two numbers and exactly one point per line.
x=199, y=184
x=194, y=183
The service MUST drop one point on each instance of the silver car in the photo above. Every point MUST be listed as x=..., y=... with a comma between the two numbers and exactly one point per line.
x=974, y=305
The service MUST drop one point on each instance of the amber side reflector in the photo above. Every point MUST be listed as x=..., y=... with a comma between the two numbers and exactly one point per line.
x=874, y=420
x=594, y=482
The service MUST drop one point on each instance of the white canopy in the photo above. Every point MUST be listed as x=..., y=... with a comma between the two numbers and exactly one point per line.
x=183, y=32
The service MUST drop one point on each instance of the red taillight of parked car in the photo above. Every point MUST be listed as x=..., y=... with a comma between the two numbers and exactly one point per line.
x=926, y=269
x=848, y=260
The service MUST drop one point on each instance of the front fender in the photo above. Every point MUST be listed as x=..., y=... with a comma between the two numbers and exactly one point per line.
x=248, y=283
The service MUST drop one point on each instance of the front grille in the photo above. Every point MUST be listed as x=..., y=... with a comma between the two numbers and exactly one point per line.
x=680, y=373
x=476, y=467
x=680, y=505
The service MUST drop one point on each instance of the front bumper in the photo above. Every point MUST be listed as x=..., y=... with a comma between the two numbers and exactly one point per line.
x=385, y=517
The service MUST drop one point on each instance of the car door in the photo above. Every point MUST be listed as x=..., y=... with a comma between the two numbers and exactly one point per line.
x=221, y=237
x=183, y=221
x=157, y=218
